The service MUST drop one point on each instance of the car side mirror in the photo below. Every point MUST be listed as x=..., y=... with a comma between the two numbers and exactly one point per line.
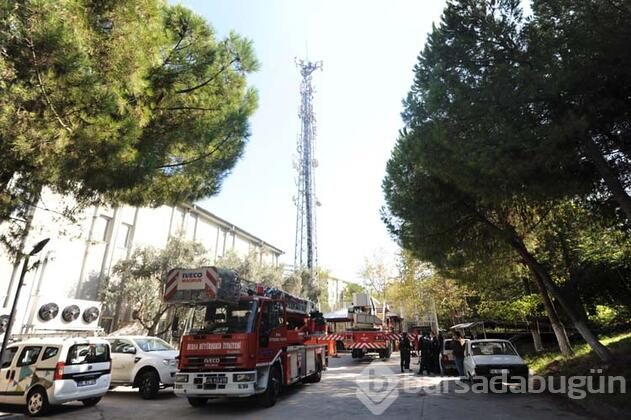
x=129, y=350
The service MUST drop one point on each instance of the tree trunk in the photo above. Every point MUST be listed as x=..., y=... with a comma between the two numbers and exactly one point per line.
x=555, y=322
x=533, y=323
x=117, y=312
x=542, y=274
x=612, y=180
x=533, y=326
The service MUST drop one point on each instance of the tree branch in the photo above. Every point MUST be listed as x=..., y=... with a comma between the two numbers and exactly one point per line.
x=213, y=77
x=41, y=86
x=136, y=315
x=186, y=108
x=198, y=158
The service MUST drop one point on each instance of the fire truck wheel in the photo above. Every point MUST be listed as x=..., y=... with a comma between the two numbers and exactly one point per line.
x=274, y=382
x=197, y=402
x=148, y=384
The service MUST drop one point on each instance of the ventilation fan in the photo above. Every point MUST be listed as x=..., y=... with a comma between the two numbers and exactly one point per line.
x=70, y=313
x=91, y=314
x=48, y=311
x=4, y=322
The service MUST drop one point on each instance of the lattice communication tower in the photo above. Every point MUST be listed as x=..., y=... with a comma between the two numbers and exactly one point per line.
x=306, y=250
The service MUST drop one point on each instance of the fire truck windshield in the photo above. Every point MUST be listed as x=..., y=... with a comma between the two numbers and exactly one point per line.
x=224, y=318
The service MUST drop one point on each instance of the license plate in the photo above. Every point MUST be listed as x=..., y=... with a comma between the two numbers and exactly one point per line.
x=87, y=382
x=499, y=371
x=217, y=380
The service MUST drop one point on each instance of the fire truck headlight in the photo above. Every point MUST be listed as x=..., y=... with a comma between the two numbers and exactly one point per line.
x=181, y=378
x=243, y=377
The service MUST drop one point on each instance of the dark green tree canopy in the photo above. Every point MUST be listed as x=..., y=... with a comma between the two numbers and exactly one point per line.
x=132, y=101
x=502, y=130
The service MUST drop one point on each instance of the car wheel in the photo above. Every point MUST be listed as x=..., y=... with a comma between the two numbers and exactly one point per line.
x=37, y=402
x=197, y=402
x=91, y=402
x=149, y=384
x=274, y=382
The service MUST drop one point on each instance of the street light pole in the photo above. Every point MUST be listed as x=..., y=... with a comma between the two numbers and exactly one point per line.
x=37, y=248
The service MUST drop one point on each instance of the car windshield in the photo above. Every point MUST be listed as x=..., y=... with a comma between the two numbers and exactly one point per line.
x=153, y=344
x=491, y=348
x=223, y=318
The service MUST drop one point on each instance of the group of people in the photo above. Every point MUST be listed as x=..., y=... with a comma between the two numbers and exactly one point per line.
x=429, y=346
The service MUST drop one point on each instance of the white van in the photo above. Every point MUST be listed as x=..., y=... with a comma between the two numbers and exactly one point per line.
x=40, y=372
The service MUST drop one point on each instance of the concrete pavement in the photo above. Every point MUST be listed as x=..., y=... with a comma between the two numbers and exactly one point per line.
x=335, y=397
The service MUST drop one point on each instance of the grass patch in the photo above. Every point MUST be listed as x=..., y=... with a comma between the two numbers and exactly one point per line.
x=584, y=360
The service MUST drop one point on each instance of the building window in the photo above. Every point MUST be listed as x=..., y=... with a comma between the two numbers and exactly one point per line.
x=123, y=238
x=102, y=228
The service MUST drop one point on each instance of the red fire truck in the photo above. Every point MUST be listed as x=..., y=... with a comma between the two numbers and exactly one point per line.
x=242, y=340
x=367, y=333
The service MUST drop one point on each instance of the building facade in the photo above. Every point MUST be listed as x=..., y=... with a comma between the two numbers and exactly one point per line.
x=81, y=253
x=335, y=290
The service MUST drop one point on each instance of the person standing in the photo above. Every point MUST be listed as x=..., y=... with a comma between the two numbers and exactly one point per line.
x=458, y=350
x=434, y=353
x=424, y=350
x=440, y=339
x=405, y=347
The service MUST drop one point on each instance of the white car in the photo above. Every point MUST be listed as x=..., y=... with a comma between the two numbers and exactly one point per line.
x=146, y=363
x=494, y=357
x=40, y=372
x=447, y=360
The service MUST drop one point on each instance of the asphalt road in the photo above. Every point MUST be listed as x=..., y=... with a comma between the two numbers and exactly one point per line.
x=335, y=397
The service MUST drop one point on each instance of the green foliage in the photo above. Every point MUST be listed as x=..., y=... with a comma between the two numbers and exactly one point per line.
x=139, y=280
x=606, y=316
x=349, y=290
x=127, y=101
x=505, y=142
x=377, y=273
x=252, y=269
x=311, y=286
x=586, y=250
x=418, y=290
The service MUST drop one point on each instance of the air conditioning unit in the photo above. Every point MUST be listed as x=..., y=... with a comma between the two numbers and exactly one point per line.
x=62, y=314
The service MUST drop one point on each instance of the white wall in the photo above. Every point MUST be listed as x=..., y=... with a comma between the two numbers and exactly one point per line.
x=81, y=253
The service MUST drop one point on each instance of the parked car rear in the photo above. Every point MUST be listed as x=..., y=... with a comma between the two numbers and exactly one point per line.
x=447, y=360
x=49, y=371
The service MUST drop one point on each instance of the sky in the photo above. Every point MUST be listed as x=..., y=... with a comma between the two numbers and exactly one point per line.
x=368, y=49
